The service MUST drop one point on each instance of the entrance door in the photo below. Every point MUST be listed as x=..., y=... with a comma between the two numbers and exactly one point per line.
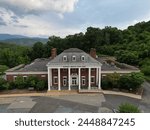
x=74, y=81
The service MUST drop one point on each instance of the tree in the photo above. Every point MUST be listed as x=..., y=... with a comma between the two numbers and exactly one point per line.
x=113, y=80
x=3, y=84
x=128, y=108
x=37, y=50
x=131, y=81
x=3, y=68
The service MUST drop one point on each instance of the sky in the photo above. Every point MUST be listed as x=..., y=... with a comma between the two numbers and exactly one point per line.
x=44, y=18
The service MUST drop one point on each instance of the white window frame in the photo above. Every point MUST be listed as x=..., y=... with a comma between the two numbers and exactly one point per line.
x=64, y=78
x=93, y=79
x=14, y=78
x=43, y=76
x=24, y=78
x=82, y=58
x=54, y=78
x=73, y=58
x=83, y=79
x=64, y=58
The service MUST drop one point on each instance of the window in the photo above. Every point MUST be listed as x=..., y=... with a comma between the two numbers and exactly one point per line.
x=43, y=76
x=15, y=77
x=55, y=79
x=83, y=80
x=24, y=78
x=92, y=69
x=73, y=58
x=93, y=79
x=83, y=58
x=64, y=58
x=83, y=69
x=64, y=70
x=64, y=80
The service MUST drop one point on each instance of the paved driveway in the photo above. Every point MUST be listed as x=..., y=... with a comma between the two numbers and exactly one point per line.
x=73, y=103
x=113, y=101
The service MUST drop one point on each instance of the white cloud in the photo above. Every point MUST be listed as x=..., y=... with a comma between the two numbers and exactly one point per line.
x=32, y=25
x=28, y=6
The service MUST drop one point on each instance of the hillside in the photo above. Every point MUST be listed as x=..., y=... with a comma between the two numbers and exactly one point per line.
x=21, y=40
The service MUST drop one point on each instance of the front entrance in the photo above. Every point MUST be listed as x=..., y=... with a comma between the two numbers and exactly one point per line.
x=74, y=81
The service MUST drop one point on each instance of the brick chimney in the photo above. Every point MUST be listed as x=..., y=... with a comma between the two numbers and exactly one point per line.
x=93, y=52
x=53, y=53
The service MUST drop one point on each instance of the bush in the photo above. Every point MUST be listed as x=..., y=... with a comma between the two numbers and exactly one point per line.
x=105, y=84
x=19, y=83
x=3, y=84
x=128, y=108
x=146, y=70
x=132, y=81
x=31, y=81
x=40, y=85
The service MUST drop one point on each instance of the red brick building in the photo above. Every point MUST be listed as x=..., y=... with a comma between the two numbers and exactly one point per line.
x=72, y=69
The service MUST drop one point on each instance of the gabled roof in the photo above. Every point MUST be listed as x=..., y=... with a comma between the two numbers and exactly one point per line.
x=69, y=53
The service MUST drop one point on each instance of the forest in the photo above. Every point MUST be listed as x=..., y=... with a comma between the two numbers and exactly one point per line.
x=131, y=46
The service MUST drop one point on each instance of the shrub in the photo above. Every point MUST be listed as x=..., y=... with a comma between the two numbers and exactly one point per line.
x=128, y=108
x=146, y=70
x=31, y=81
x=131, y=81
x=19, y=83
x=105, y=84
x=40, y=85
x=3, y=84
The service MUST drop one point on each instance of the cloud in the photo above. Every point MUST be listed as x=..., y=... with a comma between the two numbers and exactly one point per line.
x=22, y=7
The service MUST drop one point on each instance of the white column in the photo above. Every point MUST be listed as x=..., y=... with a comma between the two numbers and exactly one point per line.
x=49, y=87
x=89, y=78
x=97, y=76
x=69, y=88
x=59, y=79
x=99, y=83
x=79, y=70
x=50, y=72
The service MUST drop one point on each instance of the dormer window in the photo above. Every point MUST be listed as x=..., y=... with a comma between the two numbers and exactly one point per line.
x=73, y=58
x=64, y=58
x=82, y=58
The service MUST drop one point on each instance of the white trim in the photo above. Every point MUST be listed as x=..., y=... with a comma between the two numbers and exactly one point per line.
x=49, y=86
x=26, y=73
x=69, y=88
x=119, y=71
x=99, y=78
x=74, y=58
x=65, y=78
x=83, y=78
x=64, y=58
x=89, y=79
x=14, y=78
x=82, y=58
x=43, y=76
x=59, y=79
x=24, y=77
x=79, y=73
x=55, y=77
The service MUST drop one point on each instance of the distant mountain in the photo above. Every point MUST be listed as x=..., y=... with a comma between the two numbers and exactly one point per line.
x=21, y=40
x=9, y=36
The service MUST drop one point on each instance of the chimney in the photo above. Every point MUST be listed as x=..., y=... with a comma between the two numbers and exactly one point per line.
x=53, y=53
x=93, y=53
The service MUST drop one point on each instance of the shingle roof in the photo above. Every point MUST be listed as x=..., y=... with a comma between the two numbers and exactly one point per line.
x=37, y=65
x=69, y=53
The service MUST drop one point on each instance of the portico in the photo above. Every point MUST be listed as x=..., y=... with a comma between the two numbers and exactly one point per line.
x=71, y=77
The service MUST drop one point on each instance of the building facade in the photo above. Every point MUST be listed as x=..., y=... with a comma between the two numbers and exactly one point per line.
x=73, y=69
